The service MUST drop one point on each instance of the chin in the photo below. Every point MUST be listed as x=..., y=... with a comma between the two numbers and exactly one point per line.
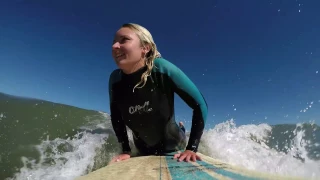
x=122, y=64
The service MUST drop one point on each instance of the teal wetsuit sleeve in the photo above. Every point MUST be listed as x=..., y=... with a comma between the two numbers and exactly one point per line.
x=188, y=91
x=117, y=122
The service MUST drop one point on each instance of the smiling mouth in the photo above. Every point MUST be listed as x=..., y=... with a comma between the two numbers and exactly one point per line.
x=119, y=55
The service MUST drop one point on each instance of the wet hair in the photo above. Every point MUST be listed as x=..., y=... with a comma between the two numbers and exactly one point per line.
x=146, y=39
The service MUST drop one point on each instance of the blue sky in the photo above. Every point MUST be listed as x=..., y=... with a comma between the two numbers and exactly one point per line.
x=255, y=61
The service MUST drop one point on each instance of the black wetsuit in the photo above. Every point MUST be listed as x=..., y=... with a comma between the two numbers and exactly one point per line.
x=149, y=111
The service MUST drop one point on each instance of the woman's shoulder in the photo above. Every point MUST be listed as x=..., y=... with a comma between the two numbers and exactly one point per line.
x=162, y=62
x=164, y=66
x=115, y=76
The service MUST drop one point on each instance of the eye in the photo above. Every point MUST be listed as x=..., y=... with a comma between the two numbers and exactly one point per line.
x=123, y=40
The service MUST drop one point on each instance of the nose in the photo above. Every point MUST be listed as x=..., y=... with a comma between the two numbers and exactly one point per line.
x=116, y=45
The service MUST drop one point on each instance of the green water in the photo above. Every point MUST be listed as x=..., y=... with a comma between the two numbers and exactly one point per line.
x=25, y=122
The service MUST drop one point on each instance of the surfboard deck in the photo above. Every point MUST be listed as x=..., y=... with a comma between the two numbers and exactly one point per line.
x=167, y=168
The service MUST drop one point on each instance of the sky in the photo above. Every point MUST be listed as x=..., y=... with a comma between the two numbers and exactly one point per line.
x=254, y=61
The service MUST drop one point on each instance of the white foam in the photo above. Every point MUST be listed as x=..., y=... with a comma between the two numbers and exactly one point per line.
x=75, y=162
x=245, y=146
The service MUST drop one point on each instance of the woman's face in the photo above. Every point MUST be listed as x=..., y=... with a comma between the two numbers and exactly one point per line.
x=126, y=48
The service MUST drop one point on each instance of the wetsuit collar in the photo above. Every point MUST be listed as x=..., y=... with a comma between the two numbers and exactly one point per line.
x=134, y=77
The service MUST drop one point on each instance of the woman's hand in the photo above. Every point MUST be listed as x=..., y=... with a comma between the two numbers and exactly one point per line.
x=187, y=155
x=120, y=157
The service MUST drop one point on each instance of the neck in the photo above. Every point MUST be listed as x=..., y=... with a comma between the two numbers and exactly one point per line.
x=138, y=65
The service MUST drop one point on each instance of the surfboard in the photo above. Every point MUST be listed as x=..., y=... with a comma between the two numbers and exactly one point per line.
x=167, y=168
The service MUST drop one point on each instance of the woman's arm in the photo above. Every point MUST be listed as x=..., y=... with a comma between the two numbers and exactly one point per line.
x=191, y=95
x=117, y=122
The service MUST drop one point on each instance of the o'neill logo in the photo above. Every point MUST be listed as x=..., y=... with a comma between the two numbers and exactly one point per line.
x=140, y=109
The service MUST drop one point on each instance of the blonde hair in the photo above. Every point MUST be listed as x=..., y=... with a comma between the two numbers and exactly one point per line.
x=145, y=39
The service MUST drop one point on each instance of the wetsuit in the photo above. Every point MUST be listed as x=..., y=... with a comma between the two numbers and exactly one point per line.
x=149, y=111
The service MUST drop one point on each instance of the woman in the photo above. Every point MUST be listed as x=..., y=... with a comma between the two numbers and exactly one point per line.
x=142, y=98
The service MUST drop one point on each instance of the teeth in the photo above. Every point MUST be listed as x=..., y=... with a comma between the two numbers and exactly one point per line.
x=119, y=54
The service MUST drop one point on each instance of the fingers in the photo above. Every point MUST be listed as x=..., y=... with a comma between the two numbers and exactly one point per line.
x=192, y=158
x=186, y=156
x=122, y=157
x=114, y=159
x=199, y=158
x=182, y=157
x=119, y=158
x=176, y=156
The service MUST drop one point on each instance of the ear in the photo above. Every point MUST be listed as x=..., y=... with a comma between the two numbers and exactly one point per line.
x=145, y=49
